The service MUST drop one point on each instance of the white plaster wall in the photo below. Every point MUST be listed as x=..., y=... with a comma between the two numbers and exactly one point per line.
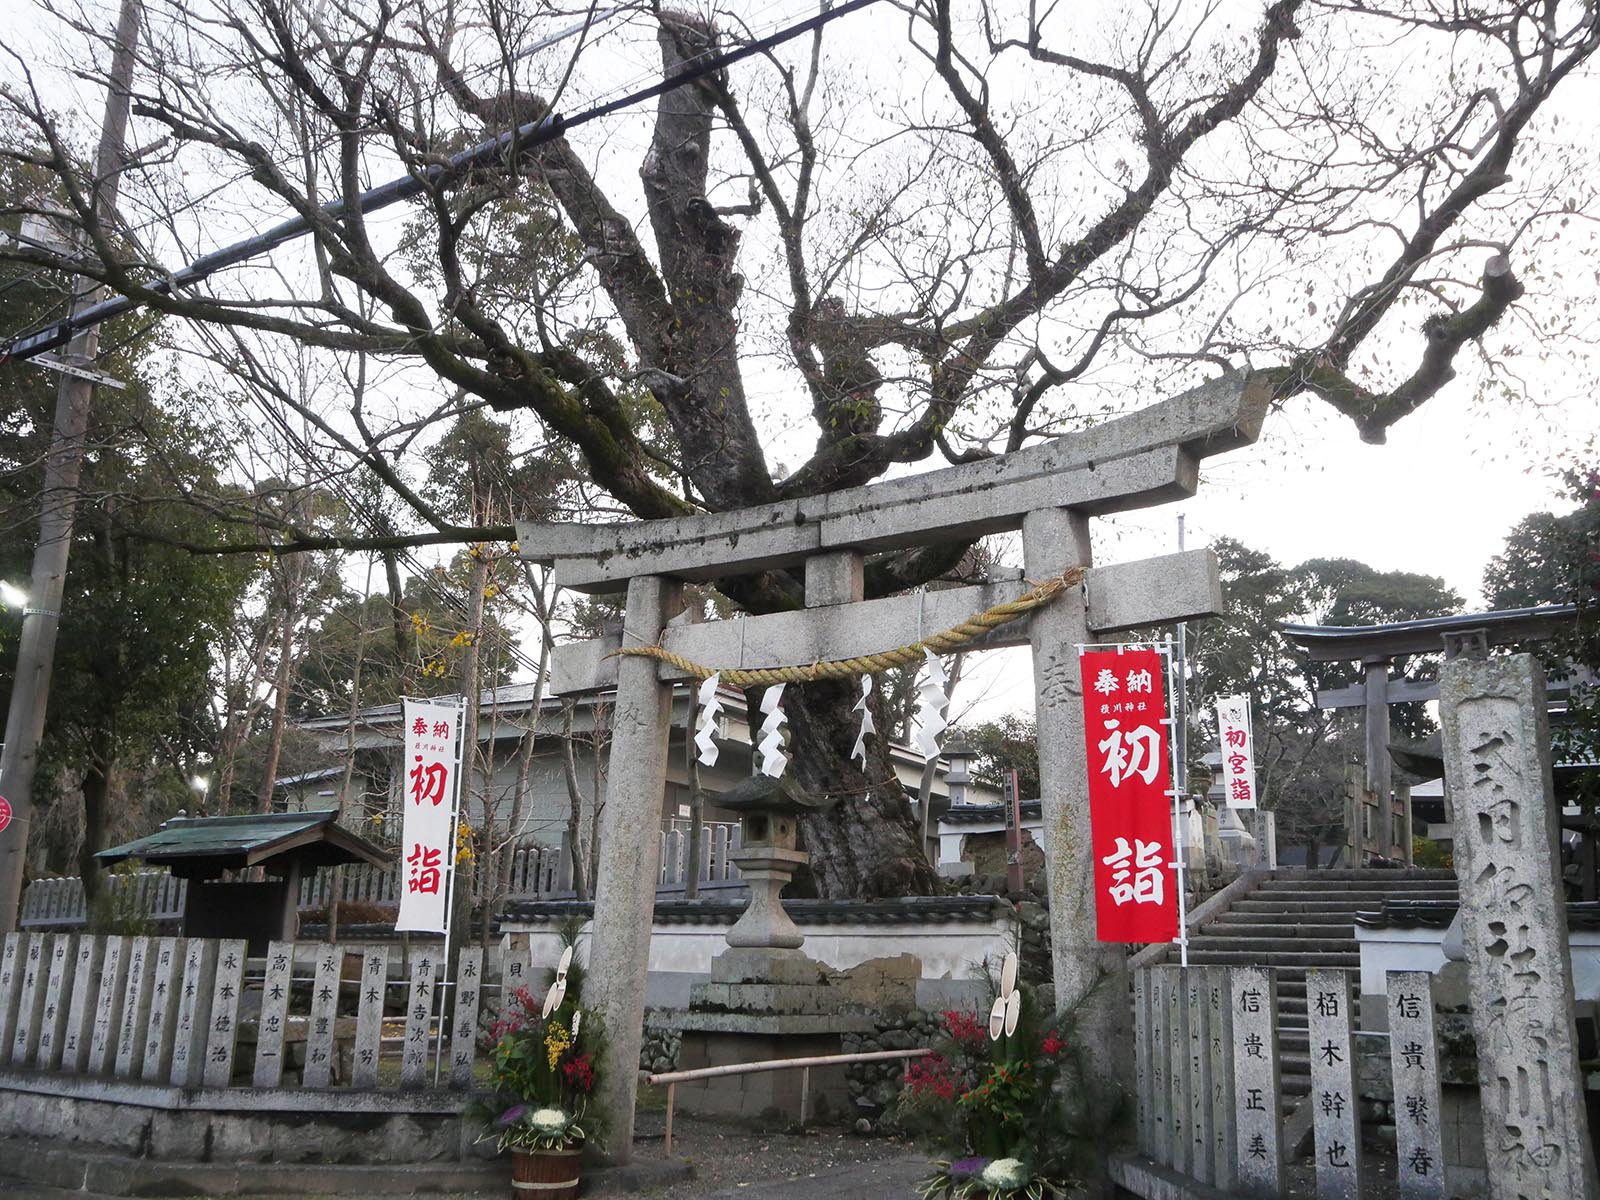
x=1385, y=950
x=951, y=953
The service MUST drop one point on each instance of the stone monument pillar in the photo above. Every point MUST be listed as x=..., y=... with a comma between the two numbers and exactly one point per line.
x=1514, y=928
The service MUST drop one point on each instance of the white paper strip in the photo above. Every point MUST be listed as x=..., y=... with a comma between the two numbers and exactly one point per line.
x=859, y=750
x=931, y=703
x=710, y=706
x=773, y=759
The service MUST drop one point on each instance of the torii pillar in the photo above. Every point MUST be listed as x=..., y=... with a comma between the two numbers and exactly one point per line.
x=1050, y=492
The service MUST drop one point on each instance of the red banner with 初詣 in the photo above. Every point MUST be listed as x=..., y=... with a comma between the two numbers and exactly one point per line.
x=1130, y=806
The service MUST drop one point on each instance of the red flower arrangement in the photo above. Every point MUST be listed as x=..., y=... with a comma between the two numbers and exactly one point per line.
x=579, y=1072
x=965, y=1029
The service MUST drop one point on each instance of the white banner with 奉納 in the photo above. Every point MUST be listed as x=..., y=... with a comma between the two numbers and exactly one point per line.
x=432, y=787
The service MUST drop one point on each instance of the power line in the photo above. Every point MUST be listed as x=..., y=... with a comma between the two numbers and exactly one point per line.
x=516, y=142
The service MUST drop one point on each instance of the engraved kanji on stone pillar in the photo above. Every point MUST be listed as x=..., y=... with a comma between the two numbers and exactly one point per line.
x=135, y=1009
x=222, y=1035
x=324, y=1018
x=1202, y=1127
x=57, y=999
x=1220, y=1029
x=79, y=1032
x=108, y=1005
x=1142, y=1029
x=1181, y=1144
x=464, y=1024
x=1257, y=1087
x=10, y=986
x=419, y=1011
x=35, y=970
x=1160, y=1066
x=369, y=1016
x=1335, y=1115
x=1414, y=1059
x=194, y=1012
x=275, y=987
x=1514, y=927
x=165, y=991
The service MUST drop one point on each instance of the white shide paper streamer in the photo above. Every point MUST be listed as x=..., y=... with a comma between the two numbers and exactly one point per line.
x=710, y=706
x=773, y=759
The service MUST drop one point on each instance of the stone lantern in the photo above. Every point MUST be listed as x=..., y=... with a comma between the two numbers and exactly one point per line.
x=768, y=856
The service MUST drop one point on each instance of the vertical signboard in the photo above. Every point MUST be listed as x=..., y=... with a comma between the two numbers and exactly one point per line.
x=1238, y=752
x=1128, y=735
x=430, y=790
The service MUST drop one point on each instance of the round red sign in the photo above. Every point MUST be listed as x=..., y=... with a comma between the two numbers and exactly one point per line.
x=5, y=812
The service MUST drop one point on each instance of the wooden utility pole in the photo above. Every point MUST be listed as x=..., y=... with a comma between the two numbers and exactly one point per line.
x=41, y=620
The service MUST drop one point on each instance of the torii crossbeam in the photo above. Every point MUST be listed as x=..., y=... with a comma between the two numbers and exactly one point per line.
x=1049, y=491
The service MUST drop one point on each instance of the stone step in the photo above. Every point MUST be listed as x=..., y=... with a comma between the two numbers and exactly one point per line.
x=1267, y=949
x=1250, y=958
x=1240, y=925
x=1325, y=910
x=1349, y=895
x=1362, y=874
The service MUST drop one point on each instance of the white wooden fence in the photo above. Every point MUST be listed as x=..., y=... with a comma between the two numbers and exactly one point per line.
x=536, y=870
x=200, y=1013
x=718, y=840
x=1208, y=1076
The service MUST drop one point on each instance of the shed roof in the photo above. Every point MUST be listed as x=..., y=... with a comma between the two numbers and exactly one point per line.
x=197, y=846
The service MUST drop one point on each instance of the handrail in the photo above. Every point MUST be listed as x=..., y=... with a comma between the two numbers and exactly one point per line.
x=673, y=1078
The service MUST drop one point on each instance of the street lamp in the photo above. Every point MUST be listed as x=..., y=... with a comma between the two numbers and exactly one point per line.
x=11, y=596
x=201, y=784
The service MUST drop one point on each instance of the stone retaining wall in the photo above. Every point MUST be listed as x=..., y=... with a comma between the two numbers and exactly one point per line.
x=234, y=1125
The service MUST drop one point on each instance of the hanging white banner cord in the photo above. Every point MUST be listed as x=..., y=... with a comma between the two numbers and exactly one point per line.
x=445, y=982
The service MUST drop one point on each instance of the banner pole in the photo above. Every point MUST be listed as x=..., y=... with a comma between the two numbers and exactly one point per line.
x=1178, y=843
x=443, y=988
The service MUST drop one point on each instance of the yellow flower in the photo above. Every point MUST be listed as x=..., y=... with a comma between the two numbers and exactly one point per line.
x=556, y=1040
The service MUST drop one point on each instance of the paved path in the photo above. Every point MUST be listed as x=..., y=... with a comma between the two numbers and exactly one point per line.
x=886, y=1179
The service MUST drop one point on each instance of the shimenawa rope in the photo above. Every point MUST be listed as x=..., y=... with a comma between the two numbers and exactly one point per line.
x=872, y=664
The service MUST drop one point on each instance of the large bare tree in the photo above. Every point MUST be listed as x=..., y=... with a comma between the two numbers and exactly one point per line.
x=928, y=230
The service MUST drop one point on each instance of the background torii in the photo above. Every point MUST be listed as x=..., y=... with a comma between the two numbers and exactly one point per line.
x=1050, y=492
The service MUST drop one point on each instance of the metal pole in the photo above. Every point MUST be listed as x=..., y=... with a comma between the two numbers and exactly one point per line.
x=443, y=988
x=1180, y=778
x=1178, y=843
x=30, y=693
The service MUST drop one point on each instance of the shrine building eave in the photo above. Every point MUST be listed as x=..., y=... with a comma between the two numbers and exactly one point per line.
x=204, y=847
x=1364, y=643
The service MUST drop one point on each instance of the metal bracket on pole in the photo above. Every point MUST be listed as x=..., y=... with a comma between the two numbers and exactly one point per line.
x=55, y=362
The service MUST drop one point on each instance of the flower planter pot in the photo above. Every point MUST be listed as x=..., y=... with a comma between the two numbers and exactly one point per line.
x=545, y=1174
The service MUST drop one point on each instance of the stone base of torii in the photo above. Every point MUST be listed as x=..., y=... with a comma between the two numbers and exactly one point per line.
x=1050, y=492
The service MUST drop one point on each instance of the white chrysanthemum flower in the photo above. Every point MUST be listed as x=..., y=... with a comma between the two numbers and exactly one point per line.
x=549, y=1120
x=1005, y=1173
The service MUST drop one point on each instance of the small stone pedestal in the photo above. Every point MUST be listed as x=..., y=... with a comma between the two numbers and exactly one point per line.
x=766, y=999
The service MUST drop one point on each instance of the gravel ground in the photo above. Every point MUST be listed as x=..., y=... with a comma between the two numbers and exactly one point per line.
x=732, y=1161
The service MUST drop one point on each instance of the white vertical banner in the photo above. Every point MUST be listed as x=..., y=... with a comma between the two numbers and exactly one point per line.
x=431, y=790
x=1238, y=752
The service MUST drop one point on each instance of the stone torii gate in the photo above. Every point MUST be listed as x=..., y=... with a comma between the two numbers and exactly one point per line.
x=1049, y=491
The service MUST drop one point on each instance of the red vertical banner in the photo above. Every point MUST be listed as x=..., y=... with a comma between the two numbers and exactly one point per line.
x=1130, y=805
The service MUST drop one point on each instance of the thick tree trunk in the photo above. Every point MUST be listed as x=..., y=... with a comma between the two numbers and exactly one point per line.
x=867, y=845
x=96, y=788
